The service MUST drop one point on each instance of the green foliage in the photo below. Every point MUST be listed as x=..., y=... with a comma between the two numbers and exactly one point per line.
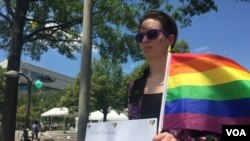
x=181, y=47
x=107, y=90
x=41, y=101
x=70, y=97
x=190, y=8
x=105, y=84
x=21, y=114
x=58, y=24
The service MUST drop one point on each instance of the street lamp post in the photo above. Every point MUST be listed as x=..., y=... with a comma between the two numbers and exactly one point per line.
x=13, y=73
x=27, y=119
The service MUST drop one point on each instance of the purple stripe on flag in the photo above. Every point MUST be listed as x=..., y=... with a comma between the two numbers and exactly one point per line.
x=200, y=122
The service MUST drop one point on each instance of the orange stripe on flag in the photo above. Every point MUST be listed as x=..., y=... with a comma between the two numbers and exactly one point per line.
x=195, y=64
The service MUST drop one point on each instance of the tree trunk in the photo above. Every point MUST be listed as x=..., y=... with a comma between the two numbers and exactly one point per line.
x=11, y=87
x=105, y=114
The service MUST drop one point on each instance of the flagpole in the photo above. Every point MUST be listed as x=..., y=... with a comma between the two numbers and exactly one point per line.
x=161, y=117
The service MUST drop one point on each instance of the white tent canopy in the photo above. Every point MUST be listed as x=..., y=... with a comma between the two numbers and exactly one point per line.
x=56, y=112
x=98, y=116
x=112, y=115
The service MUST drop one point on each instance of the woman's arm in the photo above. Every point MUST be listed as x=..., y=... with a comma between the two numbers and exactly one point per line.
x=165, y=136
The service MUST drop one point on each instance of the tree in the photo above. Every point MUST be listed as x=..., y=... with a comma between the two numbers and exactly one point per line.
x=57, y=24
x=105, y=92
x=70, y=97
x=44, y=100
x=106, y=81
x=181, y=47
x=41, y=100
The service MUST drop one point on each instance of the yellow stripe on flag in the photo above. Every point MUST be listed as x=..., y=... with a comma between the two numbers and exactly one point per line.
x=208, y=78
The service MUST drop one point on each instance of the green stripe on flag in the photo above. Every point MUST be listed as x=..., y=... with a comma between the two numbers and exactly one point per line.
x=227, y=91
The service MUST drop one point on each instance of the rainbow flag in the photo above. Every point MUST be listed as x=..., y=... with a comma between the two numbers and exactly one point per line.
x=204, y=92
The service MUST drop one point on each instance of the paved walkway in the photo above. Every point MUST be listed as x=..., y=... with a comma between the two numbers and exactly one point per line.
x=51, y=136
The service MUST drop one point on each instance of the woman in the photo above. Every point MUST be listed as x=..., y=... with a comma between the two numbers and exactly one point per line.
x=157, y=34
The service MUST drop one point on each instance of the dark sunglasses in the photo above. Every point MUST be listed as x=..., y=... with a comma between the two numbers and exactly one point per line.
x=151, y=34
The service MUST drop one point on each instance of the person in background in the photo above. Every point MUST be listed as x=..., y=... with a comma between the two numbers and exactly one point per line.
x=157, y=35
x=42, y=128
x=35, y=130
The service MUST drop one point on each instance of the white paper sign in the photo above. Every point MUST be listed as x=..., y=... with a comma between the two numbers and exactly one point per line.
x=129, y=130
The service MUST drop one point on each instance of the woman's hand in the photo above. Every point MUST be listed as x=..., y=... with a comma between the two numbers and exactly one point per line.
x=165, y=136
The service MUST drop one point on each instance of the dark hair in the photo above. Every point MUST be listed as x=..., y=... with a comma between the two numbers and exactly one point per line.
x=167, y=23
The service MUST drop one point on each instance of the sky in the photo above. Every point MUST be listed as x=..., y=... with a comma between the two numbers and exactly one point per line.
x=225, y=32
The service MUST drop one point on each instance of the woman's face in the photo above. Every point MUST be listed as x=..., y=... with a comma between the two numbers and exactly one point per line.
x=152, y=48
